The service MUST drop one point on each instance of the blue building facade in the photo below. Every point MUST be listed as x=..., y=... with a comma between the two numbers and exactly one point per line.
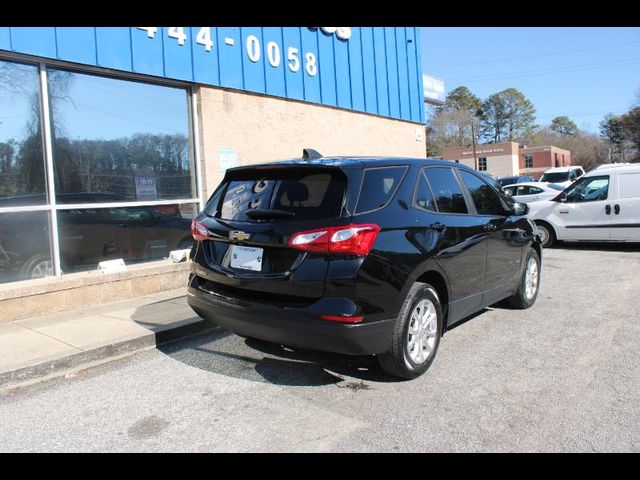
x=113, y=138
x=368, y=69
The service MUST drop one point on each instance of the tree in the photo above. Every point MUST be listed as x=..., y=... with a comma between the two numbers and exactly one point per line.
x=445, y=130
x=467, y=108
x=613, y=132
x=461, y=98
x=631, y=127
x=564, y=126
x=587, y=149
x=507, y=115
x=493, y=118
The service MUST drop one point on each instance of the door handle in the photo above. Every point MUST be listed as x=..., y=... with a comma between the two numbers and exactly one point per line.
x=607, y=209
x=489, y=227
x=616, y=209
x=438, y=227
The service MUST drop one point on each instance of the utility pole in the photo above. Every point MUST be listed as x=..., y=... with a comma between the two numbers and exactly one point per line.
x=473, y=140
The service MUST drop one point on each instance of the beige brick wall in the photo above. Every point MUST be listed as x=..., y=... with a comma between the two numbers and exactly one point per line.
x=263, y=129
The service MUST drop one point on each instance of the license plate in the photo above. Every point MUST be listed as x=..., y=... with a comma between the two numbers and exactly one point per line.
x=246, y=258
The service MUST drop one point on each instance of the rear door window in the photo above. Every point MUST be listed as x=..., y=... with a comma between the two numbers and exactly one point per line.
x=307, y=194
x=446, y=190
x=379, y=185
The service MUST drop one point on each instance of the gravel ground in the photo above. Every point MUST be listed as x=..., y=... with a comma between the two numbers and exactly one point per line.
x=561, y=376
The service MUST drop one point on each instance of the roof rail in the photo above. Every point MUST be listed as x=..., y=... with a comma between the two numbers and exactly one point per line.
x=310, y=154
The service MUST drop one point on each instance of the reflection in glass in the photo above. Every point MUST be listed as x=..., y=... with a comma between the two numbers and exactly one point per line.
x=25, y=250
x=119, y=137
x=92, y=235
x=22, y=180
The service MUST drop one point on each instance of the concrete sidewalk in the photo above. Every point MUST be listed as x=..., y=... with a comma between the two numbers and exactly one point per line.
x=41, y=347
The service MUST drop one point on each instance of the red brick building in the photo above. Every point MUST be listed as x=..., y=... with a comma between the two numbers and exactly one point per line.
x=535, y=160
x=505, y=159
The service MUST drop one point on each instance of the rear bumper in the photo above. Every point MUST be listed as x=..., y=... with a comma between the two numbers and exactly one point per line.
x=296, y=327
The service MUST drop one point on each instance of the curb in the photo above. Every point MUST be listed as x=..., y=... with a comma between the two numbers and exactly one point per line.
x=106, y=353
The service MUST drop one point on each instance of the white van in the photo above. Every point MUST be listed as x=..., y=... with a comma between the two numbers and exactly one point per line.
x=602, y=205
x=564, y=176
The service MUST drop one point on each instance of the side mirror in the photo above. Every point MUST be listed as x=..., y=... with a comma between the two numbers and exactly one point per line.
x=562, y=197
x=520, y=209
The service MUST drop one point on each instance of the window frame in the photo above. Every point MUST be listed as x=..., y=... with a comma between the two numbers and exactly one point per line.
x=46, y=125
x=528, y=161
x=587, y=179
x=471, y=208
x=469, y=197
x=391, y=197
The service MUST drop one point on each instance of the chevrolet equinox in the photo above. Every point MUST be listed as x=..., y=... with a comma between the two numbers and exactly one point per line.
x=360, y=255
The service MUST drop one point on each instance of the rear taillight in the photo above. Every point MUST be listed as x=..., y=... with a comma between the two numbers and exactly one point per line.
x=342, y=318
x=198, y=230
x=357, y=239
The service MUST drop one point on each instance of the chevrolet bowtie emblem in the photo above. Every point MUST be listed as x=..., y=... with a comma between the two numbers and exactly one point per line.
x=239, y=235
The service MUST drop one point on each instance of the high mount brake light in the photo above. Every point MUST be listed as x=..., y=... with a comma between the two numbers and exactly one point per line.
x=355, y=239
x=198, y=230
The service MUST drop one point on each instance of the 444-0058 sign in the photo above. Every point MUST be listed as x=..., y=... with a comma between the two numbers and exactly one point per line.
x=253, y=48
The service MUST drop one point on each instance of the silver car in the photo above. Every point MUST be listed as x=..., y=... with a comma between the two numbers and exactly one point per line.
x=533, y=191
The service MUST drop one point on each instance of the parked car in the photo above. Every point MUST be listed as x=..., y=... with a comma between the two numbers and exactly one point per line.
x=89, y=235
x=564, y=176
x=359, y=255
x=532, y=191
x=603, y=205
x=515, y=179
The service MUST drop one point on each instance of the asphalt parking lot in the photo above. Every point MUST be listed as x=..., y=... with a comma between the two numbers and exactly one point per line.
x=561, y=376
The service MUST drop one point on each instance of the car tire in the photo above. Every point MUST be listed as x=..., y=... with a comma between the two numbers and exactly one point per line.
x=547, y=234
x=416, y=335
x=529, y=284
x=38, y=266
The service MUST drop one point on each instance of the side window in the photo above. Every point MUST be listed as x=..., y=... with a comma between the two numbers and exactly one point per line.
x=379, y=185
x=486, y=200
x=534, y=190
x=523, y=191
x=588, y=189
x=510, y=190
x=446, y=189
x=424, y=197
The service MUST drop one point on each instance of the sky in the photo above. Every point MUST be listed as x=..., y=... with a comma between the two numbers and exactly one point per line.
x=581, y=72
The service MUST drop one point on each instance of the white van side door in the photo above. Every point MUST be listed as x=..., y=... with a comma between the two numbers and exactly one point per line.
x=587, y=210
x=626, y=208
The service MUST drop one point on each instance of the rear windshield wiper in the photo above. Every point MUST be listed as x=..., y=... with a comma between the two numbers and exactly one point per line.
x=257, y=213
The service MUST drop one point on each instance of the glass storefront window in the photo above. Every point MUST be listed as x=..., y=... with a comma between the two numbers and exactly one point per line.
x=25, y=249
x=22, y=178
x=118, y=140
x=137, y=233
x=114, y=141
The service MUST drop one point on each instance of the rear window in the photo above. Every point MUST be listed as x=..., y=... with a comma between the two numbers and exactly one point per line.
x=379, y=185
x=555, y=177
x=308, y=194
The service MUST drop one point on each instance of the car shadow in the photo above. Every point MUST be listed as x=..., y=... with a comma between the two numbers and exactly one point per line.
x=224, y=353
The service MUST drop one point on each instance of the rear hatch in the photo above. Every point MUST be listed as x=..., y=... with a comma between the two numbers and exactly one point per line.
x=249, y=221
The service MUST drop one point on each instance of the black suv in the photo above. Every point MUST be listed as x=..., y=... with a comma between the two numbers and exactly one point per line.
x=360, y=255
